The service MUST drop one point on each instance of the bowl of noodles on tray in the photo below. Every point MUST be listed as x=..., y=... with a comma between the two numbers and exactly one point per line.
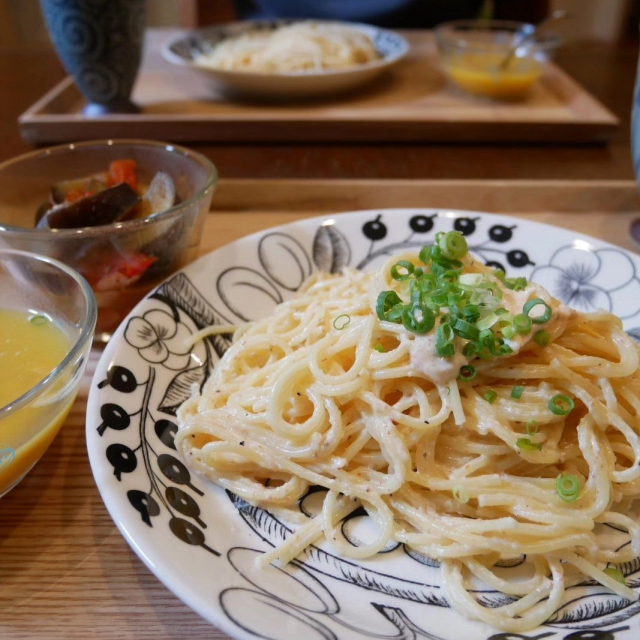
x=288, y=59
x=385, y=424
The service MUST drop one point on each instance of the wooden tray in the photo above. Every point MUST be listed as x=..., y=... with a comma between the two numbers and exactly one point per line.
x=67, y=573
x=412, y=103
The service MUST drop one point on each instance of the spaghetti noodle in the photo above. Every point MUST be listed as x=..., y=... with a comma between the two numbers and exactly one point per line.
x=303, y=47
x=473, y=416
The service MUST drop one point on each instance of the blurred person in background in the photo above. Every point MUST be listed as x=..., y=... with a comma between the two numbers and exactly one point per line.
x=394, y=13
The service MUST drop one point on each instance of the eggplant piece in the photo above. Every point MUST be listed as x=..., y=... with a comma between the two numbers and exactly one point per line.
x=104, y=207
x=60, y=190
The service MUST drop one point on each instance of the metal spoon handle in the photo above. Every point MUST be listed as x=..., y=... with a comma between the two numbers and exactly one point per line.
x=530, y=33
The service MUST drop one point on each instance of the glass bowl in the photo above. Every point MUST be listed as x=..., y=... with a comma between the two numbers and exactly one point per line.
x=42, y=302
x=122, y=261
x=471, y=52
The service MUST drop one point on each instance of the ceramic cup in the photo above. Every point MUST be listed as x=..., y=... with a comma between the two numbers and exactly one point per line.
x=100, y=45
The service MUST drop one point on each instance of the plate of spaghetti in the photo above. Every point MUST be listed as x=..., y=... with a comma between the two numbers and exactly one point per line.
x=385, y=424
x=288, y=58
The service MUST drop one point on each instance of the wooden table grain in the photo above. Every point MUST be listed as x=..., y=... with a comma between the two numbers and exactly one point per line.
x=66, y=573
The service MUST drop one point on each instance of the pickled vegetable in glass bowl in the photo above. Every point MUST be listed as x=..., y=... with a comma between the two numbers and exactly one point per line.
x=123, y=213
x=107, y=197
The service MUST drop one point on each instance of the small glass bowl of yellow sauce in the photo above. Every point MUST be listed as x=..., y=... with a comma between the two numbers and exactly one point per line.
x=472, y=53
x=47, y=321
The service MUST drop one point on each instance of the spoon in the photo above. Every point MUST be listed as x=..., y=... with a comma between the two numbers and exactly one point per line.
x=527, y=33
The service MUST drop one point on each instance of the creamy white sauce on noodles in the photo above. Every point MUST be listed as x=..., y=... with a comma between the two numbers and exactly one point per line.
x=425, y=360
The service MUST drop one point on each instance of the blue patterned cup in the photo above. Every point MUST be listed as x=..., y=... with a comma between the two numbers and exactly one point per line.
x=100, y=45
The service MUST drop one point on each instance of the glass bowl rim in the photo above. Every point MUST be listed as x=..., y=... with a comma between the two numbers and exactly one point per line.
x=120, y=227
x=88, y=324
x=446, y=32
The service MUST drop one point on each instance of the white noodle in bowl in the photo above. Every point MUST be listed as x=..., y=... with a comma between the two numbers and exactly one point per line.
x=288, y=59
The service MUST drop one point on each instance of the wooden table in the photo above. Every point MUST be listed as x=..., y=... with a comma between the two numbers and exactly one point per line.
x=65, y=570
x=607, y=71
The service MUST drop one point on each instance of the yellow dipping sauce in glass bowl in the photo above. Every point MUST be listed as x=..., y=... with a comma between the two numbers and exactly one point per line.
x=472, y=53
x=47, y=320
x=481, y=74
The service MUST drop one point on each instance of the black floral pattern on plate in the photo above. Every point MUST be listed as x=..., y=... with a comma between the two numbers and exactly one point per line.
x=157, y=337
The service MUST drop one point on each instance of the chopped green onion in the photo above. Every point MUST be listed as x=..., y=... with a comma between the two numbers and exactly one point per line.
x=452, y=244
x=466, y=330
x=455, y=298
x=449, y=277
x=427, y=282
x=418, y=319
x=508, y=332
x=544, y=317
x=542, y=338
x=616, y=574
x=490, y=341
x=38, y=320
x=380, y=348
x=568, y=487
x=532, y=427
x=401, y=270
x=469, y=349
x=446, y=350
x=425, y=254
x=522, y=324
x=561, y=405
x=467, y=373
x=504, y=350
x=527, y=445
x=488, y=321
x=516, y=392
x=341, y=322
x=490, y=396
x=515, y=284
x=488, y=296
x=440, y=296
x=460, y=495
x=461, y=305
x=471, y=313
x=444, y=334
x=471, y=279
x=387, y=300
x=441, y=262
x=395, y=315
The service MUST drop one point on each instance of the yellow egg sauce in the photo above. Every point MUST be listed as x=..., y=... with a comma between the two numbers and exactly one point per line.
x=31, y=347
x=480, y=73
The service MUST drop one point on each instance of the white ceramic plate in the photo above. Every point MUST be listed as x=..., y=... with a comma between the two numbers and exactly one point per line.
x=184, y=49
x=201, y=541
